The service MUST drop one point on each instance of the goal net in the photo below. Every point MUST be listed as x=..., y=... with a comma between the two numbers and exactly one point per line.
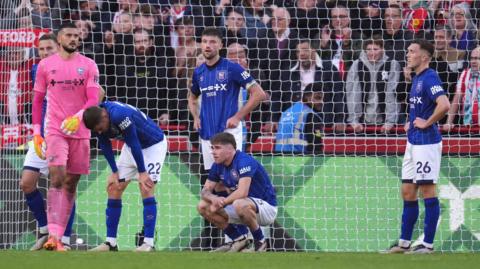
x=335, y=162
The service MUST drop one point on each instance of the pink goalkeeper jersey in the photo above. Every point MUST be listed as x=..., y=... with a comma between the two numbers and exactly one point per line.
x=66, y=83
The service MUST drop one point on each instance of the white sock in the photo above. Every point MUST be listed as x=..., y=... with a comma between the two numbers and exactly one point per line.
x=427, y=245
x=148, y=241
x=66, y=240
x=404, y=243
x=43, y=229
x=112, y=241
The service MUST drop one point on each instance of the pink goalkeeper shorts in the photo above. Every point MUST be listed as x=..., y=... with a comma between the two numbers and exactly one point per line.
x=74, y=154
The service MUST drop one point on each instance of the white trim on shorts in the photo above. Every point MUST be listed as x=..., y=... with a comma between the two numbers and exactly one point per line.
x=208, y=161
x=421, y=163
x=266, y=213
x=153, y=157
x=33, y=161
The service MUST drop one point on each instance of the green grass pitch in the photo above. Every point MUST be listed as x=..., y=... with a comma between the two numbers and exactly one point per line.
x=198, y=260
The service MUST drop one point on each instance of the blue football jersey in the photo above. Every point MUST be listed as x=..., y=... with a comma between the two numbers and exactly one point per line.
x=219, y=87
x=131, y=125
x=123, y=116
x=244, y=165
x=426, y=87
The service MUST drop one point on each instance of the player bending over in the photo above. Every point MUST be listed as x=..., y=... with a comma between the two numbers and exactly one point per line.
x=142, y=157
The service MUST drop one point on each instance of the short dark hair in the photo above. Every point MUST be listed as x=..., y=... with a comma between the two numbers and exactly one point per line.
x=210, y=31
x=92, y=116
x=224, y=139
x=375, y=41
x=49, y=36
x=66, y=25
x=448, y=30
x=425, y=45
x=304, y=40
x=310, y=89
x=185, y=20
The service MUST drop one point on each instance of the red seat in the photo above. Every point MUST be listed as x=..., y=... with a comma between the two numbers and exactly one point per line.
x=263, y=144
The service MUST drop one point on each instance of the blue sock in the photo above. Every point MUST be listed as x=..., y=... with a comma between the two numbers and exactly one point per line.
x=68, y=229
x=432, y=213
x=258, y=234
x=232, y=231
x=241, y=229
x=409, y=218
x=37, y=206
x=149, y=216
x=113, y=213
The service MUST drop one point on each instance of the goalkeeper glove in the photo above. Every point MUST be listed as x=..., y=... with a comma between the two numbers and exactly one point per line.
x=40, y=146
x=71, y=124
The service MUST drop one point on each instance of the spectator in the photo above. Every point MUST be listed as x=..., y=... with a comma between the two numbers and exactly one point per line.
x=235, y=30
x=188, y=48
x=146, y=18
x=42, y=16
x=140, y=78
x=465, y=31
x=371, y=20
x=86, y=42
x=116, y=44
x=338, y=42
x=238, y=53
x=257, y=15
x=418, y=17
x=467, y=95
x=308, y=16
x=185, y=62
x=282, y=42
x=371, y=86
x=444, y=51
x=88, y=10
x=124, y=7
x=15, y=86
x=449, y=62
x=396, y=40
x=309, y=68
x=301, y=126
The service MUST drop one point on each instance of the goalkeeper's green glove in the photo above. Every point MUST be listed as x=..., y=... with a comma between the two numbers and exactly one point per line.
x=71, y=124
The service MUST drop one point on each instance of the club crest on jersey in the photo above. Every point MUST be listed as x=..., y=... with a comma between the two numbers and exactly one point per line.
x=419, y=86
x=221, y=76
x=234, y=174
x=80, y=70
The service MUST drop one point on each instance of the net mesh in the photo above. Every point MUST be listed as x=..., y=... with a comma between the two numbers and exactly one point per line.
x=340, y=195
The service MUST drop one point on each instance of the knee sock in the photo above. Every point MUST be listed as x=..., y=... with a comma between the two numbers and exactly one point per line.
x=432, y=213
x=36, y=204
x=113, y=213
x=149, y=219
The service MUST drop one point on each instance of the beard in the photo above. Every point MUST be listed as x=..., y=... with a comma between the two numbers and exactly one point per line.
x=69, y=50
x=209, y=57
x=306, y=64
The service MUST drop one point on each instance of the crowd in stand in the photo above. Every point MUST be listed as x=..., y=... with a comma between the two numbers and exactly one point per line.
x=147, y=50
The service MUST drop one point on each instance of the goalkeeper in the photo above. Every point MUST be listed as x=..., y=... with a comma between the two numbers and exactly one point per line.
x=142, y=157
x=70, y=82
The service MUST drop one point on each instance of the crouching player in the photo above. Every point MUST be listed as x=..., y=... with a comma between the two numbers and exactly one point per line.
x=251, y=200
x=142, y=157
